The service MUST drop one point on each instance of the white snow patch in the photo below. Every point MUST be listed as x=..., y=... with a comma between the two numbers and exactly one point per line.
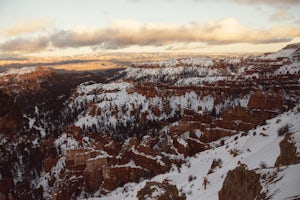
x=24, y=70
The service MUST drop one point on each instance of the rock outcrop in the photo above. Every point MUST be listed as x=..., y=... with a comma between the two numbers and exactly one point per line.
x=288, y=152
x=24, y=80
x=159, y=191
x=239, y=184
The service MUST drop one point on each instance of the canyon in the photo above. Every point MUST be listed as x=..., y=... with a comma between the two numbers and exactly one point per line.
x=154, y=130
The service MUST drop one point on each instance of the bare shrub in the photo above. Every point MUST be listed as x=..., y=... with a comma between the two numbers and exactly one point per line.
x=263, y=164
x=283, y=130
x=190, y=178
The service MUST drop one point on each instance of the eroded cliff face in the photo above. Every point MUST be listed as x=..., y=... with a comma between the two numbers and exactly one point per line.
x=31, y=118
x=241, y=183
x=288, y=152
x=24, y=79
x=145, y=122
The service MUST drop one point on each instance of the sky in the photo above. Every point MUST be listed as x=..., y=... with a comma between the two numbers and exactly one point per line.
x=72, y=27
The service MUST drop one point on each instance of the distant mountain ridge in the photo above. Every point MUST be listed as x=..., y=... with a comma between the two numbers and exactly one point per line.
x=207, y=67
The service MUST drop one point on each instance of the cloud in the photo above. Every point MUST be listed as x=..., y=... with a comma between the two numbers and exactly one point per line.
x=297, y=22
x=10, y=56
x=25, y=45
x=121, y=34
x=269, y=1
x=265, y=2
x=280, y=14
x=28, y=27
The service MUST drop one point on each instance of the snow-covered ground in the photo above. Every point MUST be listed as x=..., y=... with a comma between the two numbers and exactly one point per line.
x=172, y=73
x=114, y=97
x=260, y=147
x=201, y=61
x=24, y=70
x=210, y=70
x=286, y=52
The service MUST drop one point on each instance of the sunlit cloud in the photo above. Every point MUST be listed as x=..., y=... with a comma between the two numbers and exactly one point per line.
x=122, y=34
x=28, y=27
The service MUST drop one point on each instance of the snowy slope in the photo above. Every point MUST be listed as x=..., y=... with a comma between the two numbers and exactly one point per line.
x=253, y=149
x=172, y=70
x=169, y=74
x=201, y=61
x=115, y=106
x=196, y=71
x=288, y=52
x=24, y=70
